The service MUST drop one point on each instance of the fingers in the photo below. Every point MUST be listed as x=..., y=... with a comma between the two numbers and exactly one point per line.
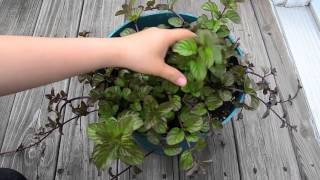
x=173, y=75
x=175, y=35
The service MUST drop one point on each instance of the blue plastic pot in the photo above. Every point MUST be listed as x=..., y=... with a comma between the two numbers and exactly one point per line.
x=153, y=20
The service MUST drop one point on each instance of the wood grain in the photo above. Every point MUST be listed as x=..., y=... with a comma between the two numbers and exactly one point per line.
x=18, y=18
x=75, y=148
x=304, y=142
x=56, y=18
x=305, y=50
x=264, y=150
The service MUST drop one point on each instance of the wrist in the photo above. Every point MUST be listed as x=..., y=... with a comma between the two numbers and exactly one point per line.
x=114, y=52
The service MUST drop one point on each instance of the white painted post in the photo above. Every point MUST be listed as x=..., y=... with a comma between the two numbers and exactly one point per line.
x=291, y=3
x=315, y=7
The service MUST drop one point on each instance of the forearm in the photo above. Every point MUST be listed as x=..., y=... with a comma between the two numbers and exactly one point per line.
x=28, y=62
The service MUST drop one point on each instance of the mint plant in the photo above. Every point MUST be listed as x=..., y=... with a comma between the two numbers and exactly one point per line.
x=168, y=115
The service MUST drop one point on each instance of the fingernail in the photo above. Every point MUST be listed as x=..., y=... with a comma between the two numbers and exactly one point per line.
x=182, y=81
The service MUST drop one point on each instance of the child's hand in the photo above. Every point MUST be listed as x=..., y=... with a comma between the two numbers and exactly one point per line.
x=145, y=52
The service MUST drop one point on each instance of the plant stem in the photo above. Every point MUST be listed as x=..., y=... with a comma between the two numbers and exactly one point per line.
x=128, y=168
x=73, y=99
x=19, y=149
x=178, y=15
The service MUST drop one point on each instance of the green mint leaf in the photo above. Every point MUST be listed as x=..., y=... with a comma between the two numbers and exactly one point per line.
x=172, y=151
x=217, y=55
x=175, y=22
x=153, y=137
x=186, y=47
x=192, y=138
x=186, y=160
x=206, y=54
x=131, y=153
x=198, y=69
x=104, y=154
x=213, y=102
x=175, y=136
x=223, y=31
x=227, y=79
x=218, y=70
x=225, y=95
x=233, y=16
x=211, y=7
x=199, y=109
x=161, y=127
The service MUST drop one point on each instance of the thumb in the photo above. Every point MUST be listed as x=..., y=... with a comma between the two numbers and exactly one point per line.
x=175, y=35
x=173, y=75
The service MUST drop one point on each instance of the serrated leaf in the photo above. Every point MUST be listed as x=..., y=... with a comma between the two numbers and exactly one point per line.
x=103, y=155
x=153, y=137
x=199, y=109
x=213, y=25
x=210, y=6
x=198, y=69
x=233, y=16
x=186, y=47
x=175, y=22
x=223, y=31
x=191, y=122
x=213, y=102
x=192, y=138
x=217, y=55
x=131, y=154
x=175, y=136
x=172, y=151
x=206, y=54
x=227, y=79
x=170, y=87
x=135, y=14
x=127, y=32
x=186, y=160
x=225, y=95
x=218, y=70
x=161, y=127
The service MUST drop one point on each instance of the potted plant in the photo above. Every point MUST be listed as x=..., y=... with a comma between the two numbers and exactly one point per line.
x=138, y=111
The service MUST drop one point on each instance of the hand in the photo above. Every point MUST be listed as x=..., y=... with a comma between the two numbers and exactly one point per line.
x=145, y=52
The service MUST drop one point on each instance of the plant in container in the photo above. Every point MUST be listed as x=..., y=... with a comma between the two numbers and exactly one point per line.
x=141, y=114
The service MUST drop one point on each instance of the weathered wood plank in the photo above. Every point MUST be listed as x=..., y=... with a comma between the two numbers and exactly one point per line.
x=15, y=18
x=305, y=145
x=75, y=149
x=56, y=18
x=264, y=150
x=305, y=51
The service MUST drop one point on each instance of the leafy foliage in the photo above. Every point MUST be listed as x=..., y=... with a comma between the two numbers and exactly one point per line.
x=166, y=114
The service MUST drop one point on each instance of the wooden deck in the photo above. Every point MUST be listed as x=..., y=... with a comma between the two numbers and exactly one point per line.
x=248, y=149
